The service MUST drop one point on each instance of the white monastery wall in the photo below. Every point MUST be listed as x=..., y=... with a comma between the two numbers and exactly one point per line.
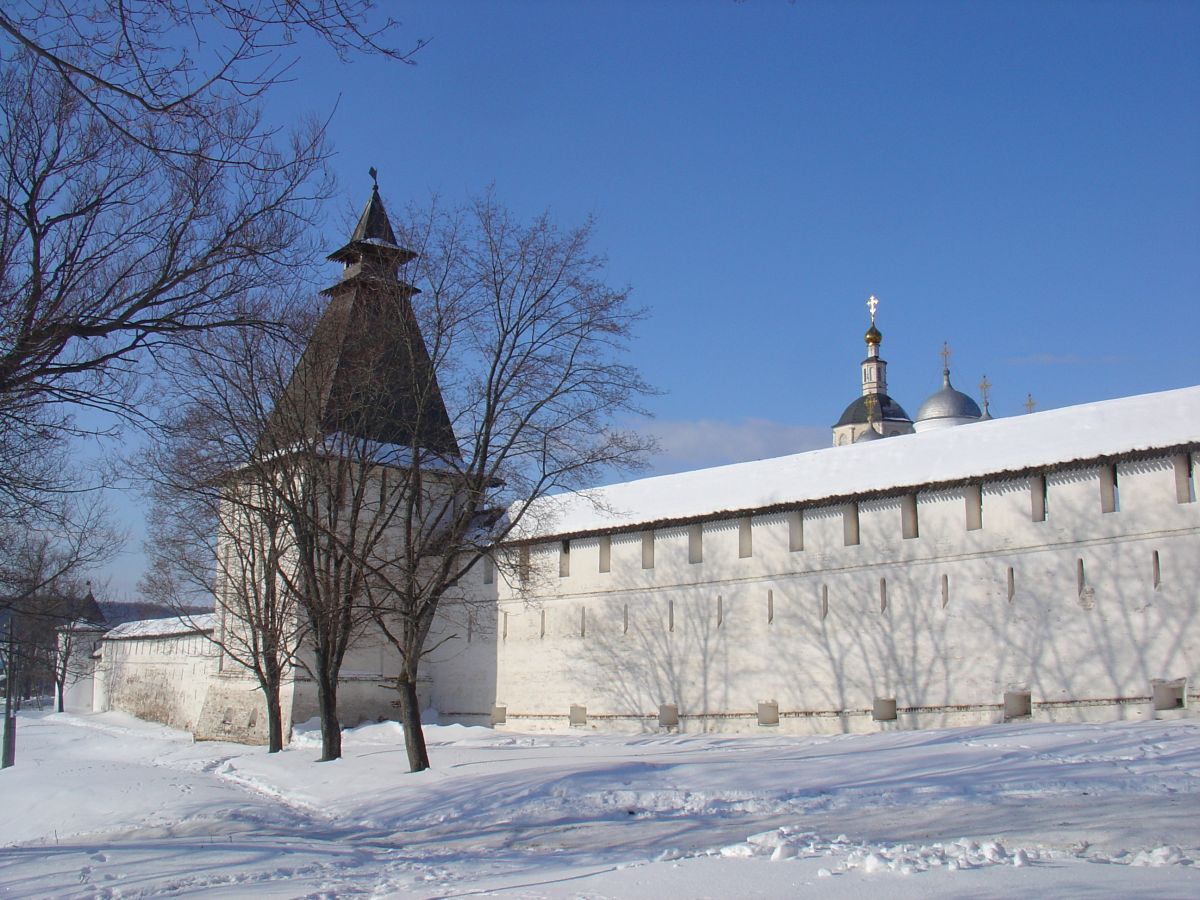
x=162, y=678
x=945, y=623
x=78, y=695
x=366, y=686
x=1051, y=572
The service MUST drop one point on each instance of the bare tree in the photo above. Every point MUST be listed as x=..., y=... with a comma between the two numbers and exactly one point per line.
x=144, y=198
x=337, y=434
x=37, y=555
x=142, y=194
x=220, y=532
x=77, y=639
x=420, y=426
x=525, y=338
x=40, y=592
x=270, y=469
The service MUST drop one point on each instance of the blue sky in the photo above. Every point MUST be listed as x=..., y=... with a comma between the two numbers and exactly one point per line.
x=1019, y=179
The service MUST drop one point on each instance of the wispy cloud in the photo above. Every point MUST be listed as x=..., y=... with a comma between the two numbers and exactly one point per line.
x=1065, y=359
x=712, y=442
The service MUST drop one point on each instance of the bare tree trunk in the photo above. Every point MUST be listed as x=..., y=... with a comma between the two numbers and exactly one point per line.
x=274, y=719
x=269, y=680
x=62, y=687
x=331, y=728
x=410, y=718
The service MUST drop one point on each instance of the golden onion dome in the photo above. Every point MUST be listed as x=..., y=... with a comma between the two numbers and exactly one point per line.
x=873, y=336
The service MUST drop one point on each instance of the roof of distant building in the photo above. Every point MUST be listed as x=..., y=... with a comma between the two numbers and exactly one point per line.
x=172, y=626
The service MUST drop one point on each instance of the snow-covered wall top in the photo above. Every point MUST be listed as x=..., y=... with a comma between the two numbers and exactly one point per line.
x=1044, y=439
x=169, y=627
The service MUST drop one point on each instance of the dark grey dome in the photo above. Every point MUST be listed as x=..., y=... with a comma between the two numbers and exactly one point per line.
x=887, y=410
x=948, y=404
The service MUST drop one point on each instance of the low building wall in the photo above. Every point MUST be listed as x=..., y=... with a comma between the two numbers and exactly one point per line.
x=157, y=669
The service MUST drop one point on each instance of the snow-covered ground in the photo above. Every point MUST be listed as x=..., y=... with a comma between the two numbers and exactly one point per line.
x=107, y=806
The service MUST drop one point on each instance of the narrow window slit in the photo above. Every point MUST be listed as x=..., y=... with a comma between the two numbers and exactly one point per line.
x=745, y=537
x=1038, y=497
x=647, y=549
x=696, y=543
x=850, y=525
x=909, y=526
x=796, y=530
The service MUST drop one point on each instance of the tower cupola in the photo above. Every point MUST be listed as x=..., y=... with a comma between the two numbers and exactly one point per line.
x=372, y=250
x=874, y=410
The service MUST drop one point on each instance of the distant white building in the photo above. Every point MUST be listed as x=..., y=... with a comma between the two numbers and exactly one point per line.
x=963, y=570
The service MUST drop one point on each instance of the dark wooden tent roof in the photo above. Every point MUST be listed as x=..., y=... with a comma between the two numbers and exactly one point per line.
x=366, y=370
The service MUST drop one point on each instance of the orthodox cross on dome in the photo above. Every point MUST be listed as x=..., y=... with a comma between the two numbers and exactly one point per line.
x=945, y=354
x=1030, y=403
x=872, y=305
x=985, y=392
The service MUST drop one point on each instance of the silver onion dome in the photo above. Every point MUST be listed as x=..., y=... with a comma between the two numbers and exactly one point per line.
x=947, y=407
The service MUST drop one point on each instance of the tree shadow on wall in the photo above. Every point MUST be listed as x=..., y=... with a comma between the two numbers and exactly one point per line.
x=662, y=650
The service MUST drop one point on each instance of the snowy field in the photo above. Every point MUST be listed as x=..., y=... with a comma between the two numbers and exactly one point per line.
x=107, y=806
